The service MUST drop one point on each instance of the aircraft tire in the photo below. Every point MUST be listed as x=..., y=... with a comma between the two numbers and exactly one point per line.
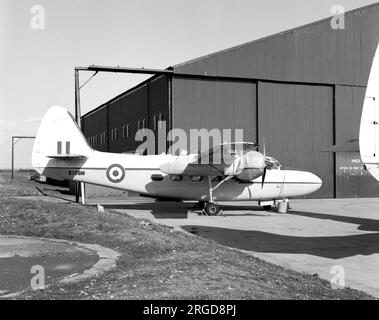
x=212, y=209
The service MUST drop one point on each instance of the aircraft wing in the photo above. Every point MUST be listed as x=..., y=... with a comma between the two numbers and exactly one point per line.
x=213, y=162
x=226, y=152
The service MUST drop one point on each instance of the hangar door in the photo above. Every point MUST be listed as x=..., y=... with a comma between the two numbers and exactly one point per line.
x=210, y=104
x=296, y=122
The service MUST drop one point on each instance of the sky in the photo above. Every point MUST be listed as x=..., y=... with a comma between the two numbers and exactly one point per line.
x=37, y=65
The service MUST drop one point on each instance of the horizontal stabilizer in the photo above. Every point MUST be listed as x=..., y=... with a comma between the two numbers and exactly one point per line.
x=67, y=156
x=348, y=146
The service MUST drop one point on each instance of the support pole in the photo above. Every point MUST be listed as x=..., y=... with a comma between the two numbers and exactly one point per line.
x=78, y=185
x=12, y=174
x=83, y=192
x=77, y=98
x=16, y=139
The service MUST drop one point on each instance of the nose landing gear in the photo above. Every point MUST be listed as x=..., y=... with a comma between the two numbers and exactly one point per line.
x=210, y=207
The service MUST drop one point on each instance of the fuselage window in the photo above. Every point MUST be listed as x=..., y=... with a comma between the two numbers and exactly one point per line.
x=196, y=178
x=156, y=177
x=176, y=177
x=217, y=179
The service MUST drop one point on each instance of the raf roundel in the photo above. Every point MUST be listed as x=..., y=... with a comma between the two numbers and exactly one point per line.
x=115, y=173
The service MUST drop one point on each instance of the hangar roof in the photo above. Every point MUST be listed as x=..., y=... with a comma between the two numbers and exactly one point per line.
x=270, y=37
x=314, y=53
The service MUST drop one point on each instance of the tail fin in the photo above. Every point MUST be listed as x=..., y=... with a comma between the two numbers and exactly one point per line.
x=58, y=137
x=369, y=127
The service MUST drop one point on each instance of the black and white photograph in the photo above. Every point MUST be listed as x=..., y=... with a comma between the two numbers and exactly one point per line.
x=190, y=156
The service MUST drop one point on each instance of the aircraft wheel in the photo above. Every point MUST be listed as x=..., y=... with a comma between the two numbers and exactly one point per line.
x=212, y=209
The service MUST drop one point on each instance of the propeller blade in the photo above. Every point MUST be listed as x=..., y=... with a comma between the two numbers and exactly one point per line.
x=263, y=177
x=264, y=147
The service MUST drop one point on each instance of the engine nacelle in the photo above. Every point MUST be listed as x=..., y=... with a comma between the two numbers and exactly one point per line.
x=248, y=166
x=250, y=174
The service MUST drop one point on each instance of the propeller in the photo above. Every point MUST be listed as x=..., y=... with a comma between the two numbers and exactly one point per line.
x=263, y=177
x=265, y=168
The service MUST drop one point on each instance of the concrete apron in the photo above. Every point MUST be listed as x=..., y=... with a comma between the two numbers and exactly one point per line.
x=337, y=239
x=23, y=259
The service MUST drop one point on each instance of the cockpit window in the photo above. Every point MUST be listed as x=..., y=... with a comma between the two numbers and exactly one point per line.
x=272, y=163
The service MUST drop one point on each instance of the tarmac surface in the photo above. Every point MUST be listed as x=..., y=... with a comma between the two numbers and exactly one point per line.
x=59, y=260
x=329, y=237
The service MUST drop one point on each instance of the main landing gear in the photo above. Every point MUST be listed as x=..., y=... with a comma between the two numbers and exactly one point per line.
x=211, y=208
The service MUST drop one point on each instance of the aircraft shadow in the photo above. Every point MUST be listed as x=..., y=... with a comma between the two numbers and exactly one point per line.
x=241, y=208
x=258, y=241
x=159, y=209
x=54, y=194
x=179, y=210
x=364, y=223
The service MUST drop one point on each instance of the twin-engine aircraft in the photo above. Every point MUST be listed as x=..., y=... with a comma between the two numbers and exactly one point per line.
x=369, y=128
x=240, y=173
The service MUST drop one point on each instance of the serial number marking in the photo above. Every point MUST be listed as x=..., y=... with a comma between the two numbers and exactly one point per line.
x=76, y=172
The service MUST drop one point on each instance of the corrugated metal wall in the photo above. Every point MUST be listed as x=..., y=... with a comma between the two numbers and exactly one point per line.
x=121, y=117
x=213, y=104
x=159, y=110
x=93, y=125
x=127, y=110
x=296, y=122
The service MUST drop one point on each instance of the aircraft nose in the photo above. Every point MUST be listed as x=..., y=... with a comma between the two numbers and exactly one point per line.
x=312, y=183
x=317, y=180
